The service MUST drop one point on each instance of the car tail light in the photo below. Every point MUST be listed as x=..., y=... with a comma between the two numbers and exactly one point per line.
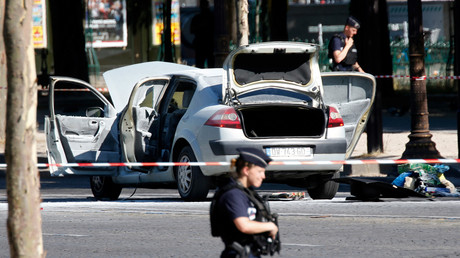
x=335, y=119
x=226, y=118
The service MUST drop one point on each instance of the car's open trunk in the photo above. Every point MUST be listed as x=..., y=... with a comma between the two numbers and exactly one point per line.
x=282, y=121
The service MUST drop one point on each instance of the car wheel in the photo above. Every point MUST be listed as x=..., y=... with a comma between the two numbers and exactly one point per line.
x=324, y=188
x=104, y=188
x=191, y=183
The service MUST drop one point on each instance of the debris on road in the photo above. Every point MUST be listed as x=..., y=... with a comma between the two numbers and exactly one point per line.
x=371, y=190
x=414, y=180
x=286, y=196
x=426, y=179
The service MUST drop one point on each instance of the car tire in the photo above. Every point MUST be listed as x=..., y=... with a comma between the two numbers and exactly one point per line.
x=191, y=183
x=324, y=187
x=104, y=188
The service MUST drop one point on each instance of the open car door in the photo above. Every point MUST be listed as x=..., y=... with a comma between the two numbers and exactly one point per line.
x=81, y=128
x=353, y=94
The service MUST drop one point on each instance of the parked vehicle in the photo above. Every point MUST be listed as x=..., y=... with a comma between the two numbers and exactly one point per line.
x=269, y=96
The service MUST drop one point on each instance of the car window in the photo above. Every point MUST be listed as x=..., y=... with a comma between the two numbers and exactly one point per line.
x=182, y=96
x=146, y=93
x=148, y=98
x=67, y=92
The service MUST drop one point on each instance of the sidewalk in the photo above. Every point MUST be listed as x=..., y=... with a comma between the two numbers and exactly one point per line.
x=394, y=145
x=396, y=130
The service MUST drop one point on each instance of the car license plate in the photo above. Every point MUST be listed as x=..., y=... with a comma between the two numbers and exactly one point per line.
x=291, y=152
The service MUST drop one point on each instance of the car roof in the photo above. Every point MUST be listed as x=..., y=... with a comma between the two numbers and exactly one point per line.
x=120, y=81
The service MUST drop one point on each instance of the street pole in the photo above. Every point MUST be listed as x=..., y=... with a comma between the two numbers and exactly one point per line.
x=168, y=56
x=457, y=64
x=420, y=144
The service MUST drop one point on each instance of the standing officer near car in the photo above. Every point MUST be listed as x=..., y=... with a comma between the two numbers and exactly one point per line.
x=342, y=49
x=239, y=215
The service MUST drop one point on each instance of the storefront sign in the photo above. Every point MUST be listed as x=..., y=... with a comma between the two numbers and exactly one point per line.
x=158, y=21
x=39, y=24
x=106, y=23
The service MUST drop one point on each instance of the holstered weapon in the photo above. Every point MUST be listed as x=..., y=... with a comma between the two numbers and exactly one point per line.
x=243, y=251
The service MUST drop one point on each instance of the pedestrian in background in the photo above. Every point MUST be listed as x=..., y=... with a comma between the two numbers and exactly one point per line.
x=342, y=49
x=239, y=215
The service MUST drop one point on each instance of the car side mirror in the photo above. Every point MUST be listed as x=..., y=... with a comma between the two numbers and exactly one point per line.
x=94, y=112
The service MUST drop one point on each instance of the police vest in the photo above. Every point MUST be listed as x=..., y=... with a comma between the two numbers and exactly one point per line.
x=262, y=242
x=352, y=55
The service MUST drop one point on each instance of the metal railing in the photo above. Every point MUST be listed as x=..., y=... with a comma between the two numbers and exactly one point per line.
x=438, y=63
x=438, y=56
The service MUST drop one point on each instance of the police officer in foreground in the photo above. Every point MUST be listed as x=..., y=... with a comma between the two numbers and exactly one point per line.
x=342, y=49
x=239, y=215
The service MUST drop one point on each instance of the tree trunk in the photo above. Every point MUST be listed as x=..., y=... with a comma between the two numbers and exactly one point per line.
x=374, y=35
x=243, y=25
x=69, y=39
x=457, y=64
x=223, y=30
x=2, y=76
x=23, y=183
x=278, y=20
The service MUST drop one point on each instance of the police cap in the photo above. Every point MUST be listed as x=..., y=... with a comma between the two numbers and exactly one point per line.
x=353, y=22
x=254, y=156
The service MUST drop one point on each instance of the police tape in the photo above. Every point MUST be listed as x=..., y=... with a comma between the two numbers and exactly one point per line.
x=43, y=89
x=98, y=89
x=414, y=78
x=272, y=163
x=420, y=78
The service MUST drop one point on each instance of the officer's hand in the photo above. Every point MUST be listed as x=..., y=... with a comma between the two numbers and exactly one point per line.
x=273, y=231
x=349, y=42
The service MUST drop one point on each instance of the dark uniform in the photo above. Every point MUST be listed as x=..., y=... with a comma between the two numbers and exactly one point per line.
x=338, y=43
x=232, y=200
x=232, y=204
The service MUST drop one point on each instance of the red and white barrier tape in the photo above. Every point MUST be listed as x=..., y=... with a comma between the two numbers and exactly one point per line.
x=98, y=89
x=415, y=78
x=454, y=77
x=41, y=89
x=282, y=163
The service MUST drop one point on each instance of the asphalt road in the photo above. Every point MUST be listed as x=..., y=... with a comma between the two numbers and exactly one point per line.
x=156, y=223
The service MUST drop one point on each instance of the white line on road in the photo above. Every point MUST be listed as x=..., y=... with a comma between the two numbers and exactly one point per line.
x=306, y=245
x=65, y=235
x=317, y=215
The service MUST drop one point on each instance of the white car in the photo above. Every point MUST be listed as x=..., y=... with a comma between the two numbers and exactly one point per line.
x=270, y=96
